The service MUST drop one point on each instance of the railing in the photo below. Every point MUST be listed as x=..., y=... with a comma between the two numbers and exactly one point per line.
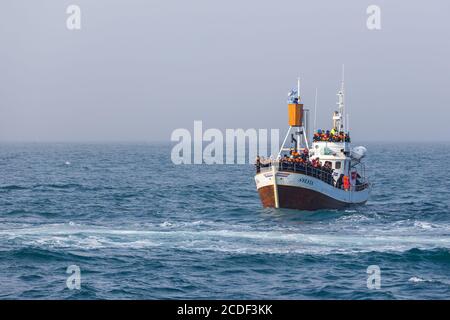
x=306, y=169
x=347, y=140
x=309, y=170
x=362, y=186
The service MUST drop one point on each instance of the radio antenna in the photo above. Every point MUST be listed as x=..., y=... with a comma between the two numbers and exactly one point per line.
x=315, y=112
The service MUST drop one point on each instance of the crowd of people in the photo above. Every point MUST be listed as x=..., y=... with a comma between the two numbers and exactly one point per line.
x=331, y=136
x=300, y=162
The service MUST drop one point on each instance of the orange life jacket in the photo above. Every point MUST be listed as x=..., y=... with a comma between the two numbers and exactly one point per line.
x=346, y=182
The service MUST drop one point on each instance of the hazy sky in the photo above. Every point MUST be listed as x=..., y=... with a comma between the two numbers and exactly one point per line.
x=137, y=70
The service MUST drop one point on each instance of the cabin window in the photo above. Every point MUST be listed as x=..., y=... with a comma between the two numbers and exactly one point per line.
x=337, y=165
x=326, y=151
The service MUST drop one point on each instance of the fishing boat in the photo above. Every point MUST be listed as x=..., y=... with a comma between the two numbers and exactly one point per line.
x=324, y=172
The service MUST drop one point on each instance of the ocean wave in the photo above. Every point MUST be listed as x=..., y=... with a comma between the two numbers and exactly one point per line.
x=13, y=187
x=424, y=225
x=417, y=279
x=70, y=186
x=224, y=240
x=58, y=186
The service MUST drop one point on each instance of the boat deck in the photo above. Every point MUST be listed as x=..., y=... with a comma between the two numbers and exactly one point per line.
x=309, y=170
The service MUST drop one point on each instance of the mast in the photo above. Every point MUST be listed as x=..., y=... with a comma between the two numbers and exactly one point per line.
x=304, y=122
x=297, y=120
x=340, y=120
x=298, y=134
x=315, y=113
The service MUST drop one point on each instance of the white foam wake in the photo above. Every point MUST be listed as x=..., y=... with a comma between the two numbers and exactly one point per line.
x=73, y=236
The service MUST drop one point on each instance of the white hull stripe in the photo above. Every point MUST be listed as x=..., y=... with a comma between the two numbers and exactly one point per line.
x=308, y=182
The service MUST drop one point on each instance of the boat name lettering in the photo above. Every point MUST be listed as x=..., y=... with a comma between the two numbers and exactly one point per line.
x=306, y=181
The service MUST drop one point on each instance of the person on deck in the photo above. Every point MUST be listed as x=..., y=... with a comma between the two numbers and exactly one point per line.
x=346, y=183
x=339, y=181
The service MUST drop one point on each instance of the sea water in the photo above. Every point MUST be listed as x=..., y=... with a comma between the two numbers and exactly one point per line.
x=140, y=227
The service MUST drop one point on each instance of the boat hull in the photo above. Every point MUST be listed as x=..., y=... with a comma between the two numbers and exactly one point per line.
x=298, y=191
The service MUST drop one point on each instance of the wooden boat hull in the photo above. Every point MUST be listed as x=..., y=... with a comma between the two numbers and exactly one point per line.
x=298, y=191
